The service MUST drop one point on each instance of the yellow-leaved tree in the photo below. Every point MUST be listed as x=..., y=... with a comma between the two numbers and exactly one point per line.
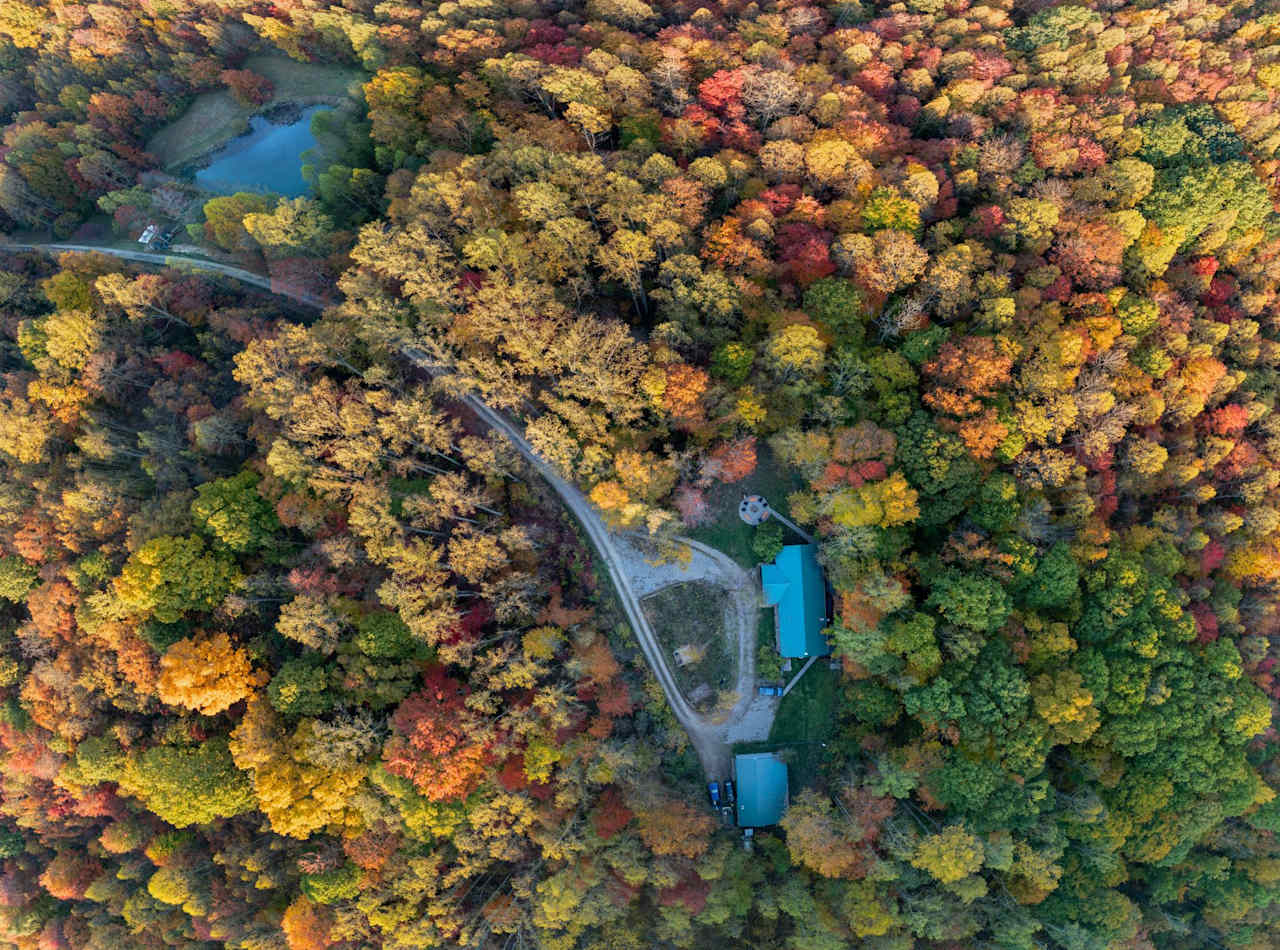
x=207, y=674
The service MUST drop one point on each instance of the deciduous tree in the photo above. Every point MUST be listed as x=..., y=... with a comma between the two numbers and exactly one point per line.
x=208, y=674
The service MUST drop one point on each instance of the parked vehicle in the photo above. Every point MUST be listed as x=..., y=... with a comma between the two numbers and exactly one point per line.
x=713, y=789
x=770, y=690
x=730, y=794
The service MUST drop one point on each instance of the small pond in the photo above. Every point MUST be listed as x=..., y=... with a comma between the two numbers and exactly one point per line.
x=266, y=158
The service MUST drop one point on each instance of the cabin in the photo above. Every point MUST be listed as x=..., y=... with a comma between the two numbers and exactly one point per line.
x=760, y=781
x=796, y=588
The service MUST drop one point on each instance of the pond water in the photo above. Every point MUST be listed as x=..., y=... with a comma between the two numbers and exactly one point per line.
x=266, y=158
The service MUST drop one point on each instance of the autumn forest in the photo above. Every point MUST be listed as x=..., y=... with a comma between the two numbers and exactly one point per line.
x=299, y=651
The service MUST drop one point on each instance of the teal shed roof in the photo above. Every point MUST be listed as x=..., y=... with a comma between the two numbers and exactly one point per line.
x=794, y=584
x=761, y=789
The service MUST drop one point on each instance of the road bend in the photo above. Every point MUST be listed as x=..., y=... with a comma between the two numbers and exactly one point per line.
x=709, y=740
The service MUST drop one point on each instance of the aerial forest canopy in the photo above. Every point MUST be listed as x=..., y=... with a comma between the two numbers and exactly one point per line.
x=297, y=653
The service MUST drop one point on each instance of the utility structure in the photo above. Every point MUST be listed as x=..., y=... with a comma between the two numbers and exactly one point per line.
x=760, y=780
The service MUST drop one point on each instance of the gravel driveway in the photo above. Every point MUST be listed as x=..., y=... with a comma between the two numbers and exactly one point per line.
x=632, y=576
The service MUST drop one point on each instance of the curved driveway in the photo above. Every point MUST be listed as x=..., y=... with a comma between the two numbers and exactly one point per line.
x=177, y=260
x=750, y=716
x=712, y=750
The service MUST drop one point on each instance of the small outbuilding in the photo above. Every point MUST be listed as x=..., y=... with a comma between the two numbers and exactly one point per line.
x=690, y=654
x=795, y=586
x=761, y=785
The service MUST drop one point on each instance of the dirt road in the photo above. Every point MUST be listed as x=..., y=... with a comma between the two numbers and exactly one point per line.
x=751, y=716
x=177, y=261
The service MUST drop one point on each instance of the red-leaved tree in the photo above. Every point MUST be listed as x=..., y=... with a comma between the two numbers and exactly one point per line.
x=437, y=743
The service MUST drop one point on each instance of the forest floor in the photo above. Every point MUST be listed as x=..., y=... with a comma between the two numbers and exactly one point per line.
x=731, y=534
x=215, y=118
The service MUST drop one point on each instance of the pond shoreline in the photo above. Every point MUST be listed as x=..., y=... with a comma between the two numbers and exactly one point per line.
x=277, y=113
x=266, y=158
x=214, y=116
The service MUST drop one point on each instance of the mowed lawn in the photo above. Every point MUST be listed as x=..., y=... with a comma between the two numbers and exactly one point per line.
x=730, y=533
x=805, y=714
x=804, y=725
x=215, y=118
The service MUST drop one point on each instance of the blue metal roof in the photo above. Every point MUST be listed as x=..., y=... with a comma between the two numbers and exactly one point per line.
x=761, y=789
x=794, y=584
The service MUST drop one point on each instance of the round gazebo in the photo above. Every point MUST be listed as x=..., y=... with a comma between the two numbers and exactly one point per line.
x=753, y=509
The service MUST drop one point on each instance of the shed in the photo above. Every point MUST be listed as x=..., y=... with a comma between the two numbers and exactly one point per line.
x=761, y=780
x=690, y=653
x=794, y=585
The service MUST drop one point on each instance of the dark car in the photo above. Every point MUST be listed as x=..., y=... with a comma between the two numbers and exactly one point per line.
x=730, y=795
x=713, y=789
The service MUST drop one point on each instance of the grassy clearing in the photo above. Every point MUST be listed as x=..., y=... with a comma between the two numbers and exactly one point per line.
x=295, y=80
x=728, y=532
x=806, y=713
x=694, y=613
x=215, y=118
x=805, y=722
